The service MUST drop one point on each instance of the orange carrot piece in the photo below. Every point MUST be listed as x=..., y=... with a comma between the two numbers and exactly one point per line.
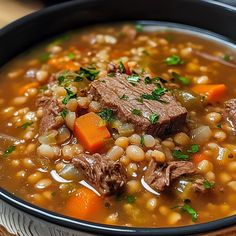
x=89, y=131
x=83, y=204
x=24, y=88
x=198, y=157
x=127, y=69
x=213, y=92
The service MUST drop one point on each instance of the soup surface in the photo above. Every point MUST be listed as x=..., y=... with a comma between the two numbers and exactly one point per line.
x=122, y=124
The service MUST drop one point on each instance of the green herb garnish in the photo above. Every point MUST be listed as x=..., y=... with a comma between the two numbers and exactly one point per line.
x=180, y=155
x=194, y=149
x=44, y=57
x=88, y=73
x=155, y=95
x=130, y=199
x=173, y=60
x=188, y=209
x=148, y=80
x=136, y=112
x=25, y=125
x=142, y=140
x=122, y=67
x=106, y=114
x=68, y=96
x=185, y=81
x=227, y=57
x=207, y=184
x=124, y=97
x=139, y=28
x=9, y=150
x=133, y=79
x=71, y=55
x=64, y=113
x=219, y=126
x=153, y=118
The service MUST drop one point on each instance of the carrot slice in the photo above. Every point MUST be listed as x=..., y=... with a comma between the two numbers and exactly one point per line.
x=83, y=204
x=89, y=131
x=24, y=88
x=127, y=69
x=198, y=157
x=213, y=92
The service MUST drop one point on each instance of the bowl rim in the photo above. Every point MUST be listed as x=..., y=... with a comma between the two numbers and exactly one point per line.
x=91, y=227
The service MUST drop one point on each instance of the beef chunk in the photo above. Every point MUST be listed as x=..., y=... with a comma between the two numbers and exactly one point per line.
x=108, y=91
x=107, y=176
x=198, y=185
x=159, y=177
x=230, y=112
x=51, y=110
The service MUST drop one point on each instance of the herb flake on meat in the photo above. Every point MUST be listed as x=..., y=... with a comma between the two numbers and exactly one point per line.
x=106, y=114
x=153, y=118
x=9, y=150
x=208, y=185
x=122, y=67
x=173, y=60
x=124, y=97
x=88, y=73
x=133, y=79
x=136, y=112
x=147, y=80
x=155, y=95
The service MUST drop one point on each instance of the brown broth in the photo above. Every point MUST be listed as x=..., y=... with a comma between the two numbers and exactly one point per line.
x=150, y=49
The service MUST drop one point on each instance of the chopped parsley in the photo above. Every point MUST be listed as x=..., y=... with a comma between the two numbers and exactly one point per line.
x=207, y=184
x=64, y=113
x=43, y=88
x=153, y=118
x=66, y=77
x=173, y=60
x=139, y=28
x=227, y=57
x=44, y=57
x=130, y=199
x=9, y=150
x=140, y=100
x=155, y=95
x=183, y=80
x=88, y=73
x=25, y=125
x=142, y=140
x=71, y=55
x=122, y=67
x=194, y=149
x=106, y=114
x=68, y=96
x=219, y=126
x=136, y=112
x=133, y=79
x=124, y=97
x=188, y=209
x=147, y=80
x=180, y=155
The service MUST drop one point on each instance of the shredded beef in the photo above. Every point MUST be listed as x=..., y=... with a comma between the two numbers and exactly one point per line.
x=160, y=176
x=107, y=176
x=198, y=185
x=230, y=112
x=51, y=110
x=108, y=91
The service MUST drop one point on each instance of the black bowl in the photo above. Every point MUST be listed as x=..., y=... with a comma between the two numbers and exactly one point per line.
x=22, y=218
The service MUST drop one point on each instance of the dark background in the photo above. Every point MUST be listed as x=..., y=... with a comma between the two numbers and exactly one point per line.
x=50, y=2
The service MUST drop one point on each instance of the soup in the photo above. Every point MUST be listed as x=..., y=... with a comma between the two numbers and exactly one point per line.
x=123, y=125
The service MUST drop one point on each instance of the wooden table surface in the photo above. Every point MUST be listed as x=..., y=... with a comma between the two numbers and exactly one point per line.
x=11, y=10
